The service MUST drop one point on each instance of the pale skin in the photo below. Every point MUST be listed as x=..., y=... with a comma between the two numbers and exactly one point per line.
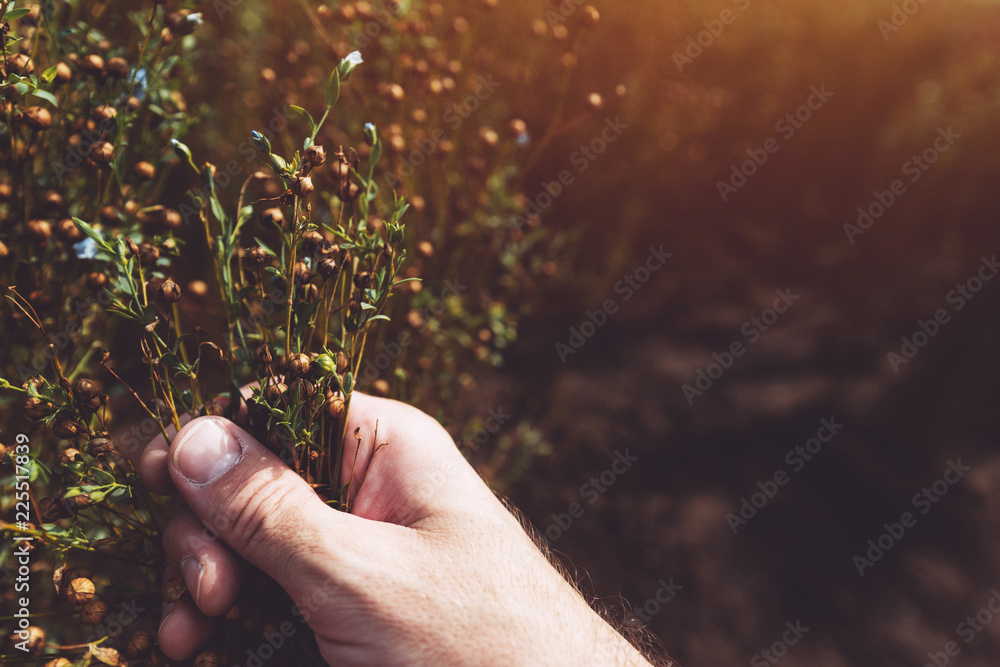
x=429, y=568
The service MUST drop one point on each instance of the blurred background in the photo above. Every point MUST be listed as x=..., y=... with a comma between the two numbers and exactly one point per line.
x=699, y=84
x=595, y=384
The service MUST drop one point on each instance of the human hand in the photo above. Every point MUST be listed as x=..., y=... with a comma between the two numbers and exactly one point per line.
x=429, y=568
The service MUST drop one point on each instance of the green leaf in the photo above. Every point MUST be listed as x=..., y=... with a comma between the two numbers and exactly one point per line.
x=15, y=14
x=93, y=234
x=305, y=114
x=49, y=74
x=333, y=88
x=348, y=383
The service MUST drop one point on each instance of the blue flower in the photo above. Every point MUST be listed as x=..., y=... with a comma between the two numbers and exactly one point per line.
x=85, y=249
x=139, y=92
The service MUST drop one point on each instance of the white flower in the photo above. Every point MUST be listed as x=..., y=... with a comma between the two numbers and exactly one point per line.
x=354, y=57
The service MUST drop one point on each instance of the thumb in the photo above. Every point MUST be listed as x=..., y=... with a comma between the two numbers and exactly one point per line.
x=257, y=505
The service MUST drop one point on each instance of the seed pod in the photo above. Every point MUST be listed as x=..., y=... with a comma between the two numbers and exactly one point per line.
x=335, y=407
x=380, y=388
x=66, y=428
x=302, y=186
x=104, y=113
x=68, y=455
x=362, y=280
x=264, y=355
x=92, y=64
x=301, y=273
x=102, y=152
x=303, y=390
x=58, y=662
x=144, y=170
x=255, y=257
x=208, y=658
x=274, y=392
x=327, y=269
x=37, y=118
x=314, y=241
x=212, y=356
x=95, y=280
x=173, y=589
x=168, y=292
x=140, y=645
x=272, y=216
x=39, y=231
x=316, y=155
x=52, y=509
x=298, y=365
x=80, y=590
x=93, y=612
x=117, y=68
x=36, y=639
x=67, y=230
x=36, y=409
x=342, y=362
x=63, y=73
x=85, y=388
x=148, y=253
x=20, y=63
x=101, y=446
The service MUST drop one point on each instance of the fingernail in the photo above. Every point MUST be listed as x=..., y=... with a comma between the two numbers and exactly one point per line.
x=192, y=569
x=206, y=451
x=168, y=607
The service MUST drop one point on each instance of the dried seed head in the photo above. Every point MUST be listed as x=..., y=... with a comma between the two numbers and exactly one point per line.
x=117, y=68
x=101, y=446
x=36, y=639
x=102, y=152
x=327, y=269
x=140, y=645
x=173, y=589
x=67, y=230
x=298, y=365
x=208, y=658
x=301, y=273
x=264, y=355
x=148, y=253
x=314, y=241
x=85, y=388
x=212, y=356
x=362, y=280
x=380, y=388
x=95, y=280
x=20, y=63
x=274, y=392
x=316, y=155
x=39, y=231
x=36, y=409
x=68, y=455
x=302, y=186
x=93, y=612
x=335, y=407
x=63, y=73
x=92, y=64
x=80, y=590
x=168, y=292
x=52, y=509
x=104, y=113
x=144, y=170
x=58, y=662
x=37, y=118
x=272, y=216
x=303, y=390
x=255, y=257
x=342, y=362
